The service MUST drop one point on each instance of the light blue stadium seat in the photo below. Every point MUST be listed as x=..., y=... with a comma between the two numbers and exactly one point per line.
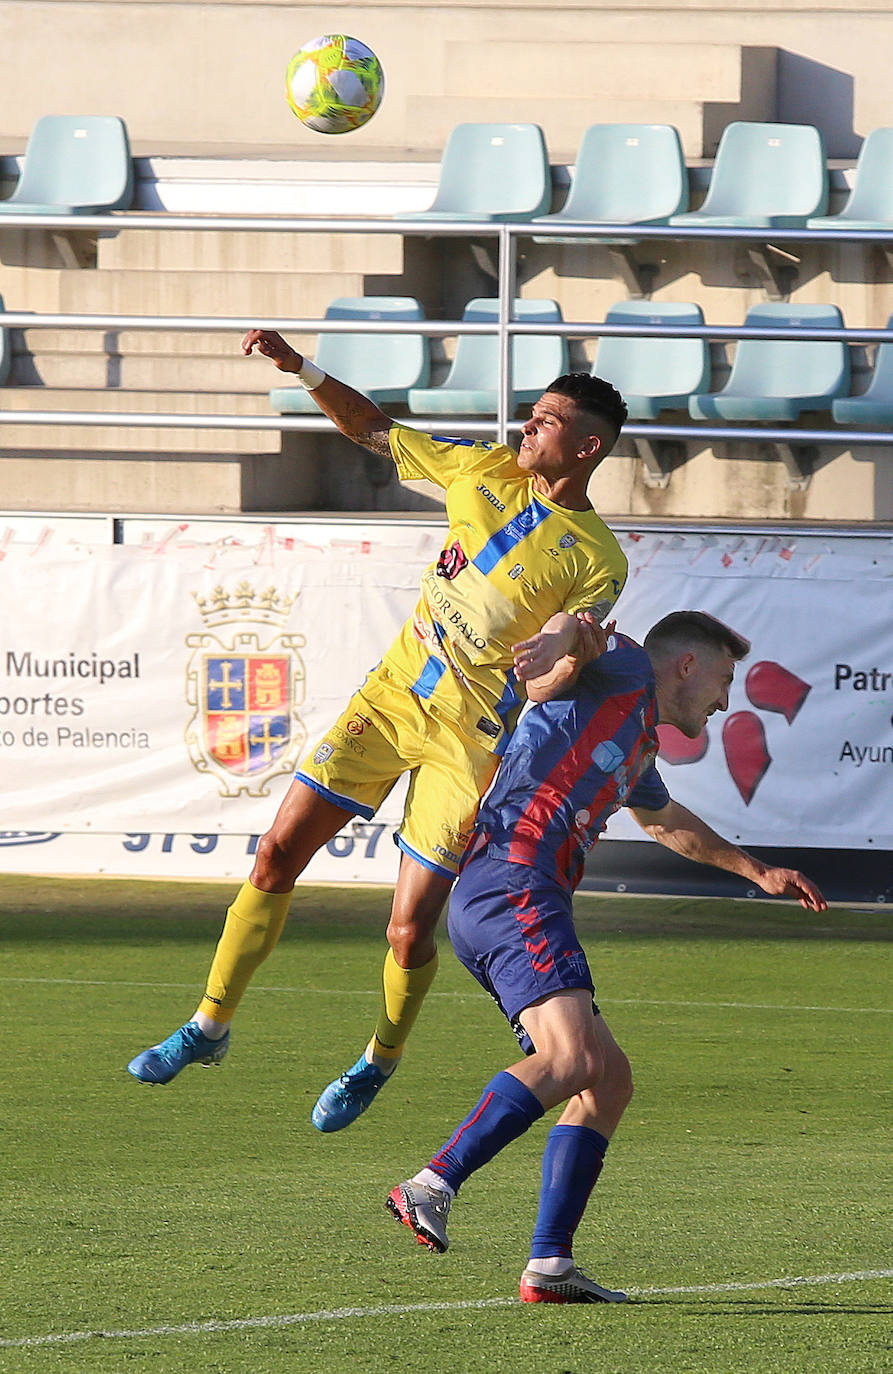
x=775, y=380
x=492, y=172
x=654, y=374
x=471, y=384
x=764, y=176
x=870, y=204
x=874, y=408
x=624, y=174
x=74, y=164
x=381, y=366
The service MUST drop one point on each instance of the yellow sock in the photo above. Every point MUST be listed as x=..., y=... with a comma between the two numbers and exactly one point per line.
x=403, y=992
x=253, y=925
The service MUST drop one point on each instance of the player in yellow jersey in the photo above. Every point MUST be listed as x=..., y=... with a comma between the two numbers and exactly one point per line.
x=524, y=554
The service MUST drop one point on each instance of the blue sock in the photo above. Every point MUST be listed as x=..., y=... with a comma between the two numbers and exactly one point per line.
x=506, y=1110
x=572, y=1161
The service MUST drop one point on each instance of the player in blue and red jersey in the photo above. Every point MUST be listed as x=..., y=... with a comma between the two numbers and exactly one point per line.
x=585, y=750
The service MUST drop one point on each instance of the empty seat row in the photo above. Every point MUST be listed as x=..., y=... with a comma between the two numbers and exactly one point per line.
x=770, y=380
x=396, y=367
x=765, y=175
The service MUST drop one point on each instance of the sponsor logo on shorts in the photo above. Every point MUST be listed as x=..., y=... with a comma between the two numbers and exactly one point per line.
x=457, y=838
x=357, y=724
x=324, y=753
x=448, y=854
x=346, y=741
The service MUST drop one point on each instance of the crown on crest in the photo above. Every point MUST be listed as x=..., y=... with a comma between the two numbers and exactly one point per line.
x=244, y=604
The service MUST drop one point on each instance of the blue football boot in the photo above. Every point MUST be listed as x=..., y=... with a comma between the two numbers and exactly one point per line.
x=188, y=1045
x=348, y=1096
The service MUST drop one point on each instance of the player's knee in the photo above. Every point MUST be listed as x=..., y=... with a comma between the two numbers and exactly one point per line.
x=618, y=1077
x=579, y=1068
x=273, y=864
x=411, y=936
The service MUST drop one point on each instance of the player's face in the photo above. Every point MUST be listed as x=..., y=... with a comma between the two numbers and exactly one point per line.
x=554, y=437
x=704, y=690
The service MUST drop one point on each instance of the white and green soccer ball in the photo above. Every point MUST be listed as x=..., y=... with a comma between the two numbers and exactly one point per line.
x=334, y=84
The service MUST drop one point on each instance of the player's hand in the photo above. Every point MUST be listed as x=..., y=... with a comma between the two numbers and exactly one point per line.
x=787, y=882
x=593, y=638
x=274, y=347
x=537, y=656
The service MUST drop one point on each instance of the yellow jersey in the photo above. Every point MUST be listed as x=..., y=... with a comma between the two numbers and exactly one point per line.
x=511, y=560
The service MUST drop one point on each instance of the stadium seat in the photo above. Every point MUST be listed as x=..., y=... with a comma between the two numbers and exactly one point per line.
x=870, y=204
x=471, y=386
x=770, y=176
x=74, y=164
x=651, y=373
x=381, y=366
x=492, y=172
x=624, y=174
x=874, y=408
x=776, y=380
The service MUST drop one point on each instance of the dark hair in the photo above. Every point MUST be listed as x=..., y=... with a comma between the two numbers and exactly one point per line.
x=694, y=630
x=594, y=395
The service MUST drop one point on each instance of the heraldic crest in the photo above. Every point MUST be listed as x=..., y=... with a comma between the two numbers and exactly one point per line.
x=245, y=681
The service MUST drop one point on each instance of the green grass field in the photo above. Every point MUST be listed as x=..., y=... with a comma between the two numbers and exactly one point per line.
x=206, y=1226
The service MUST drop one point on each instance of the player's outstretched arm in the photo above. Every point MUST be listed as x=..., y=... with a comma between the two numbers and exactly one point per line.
x=685, y=833
x=356, y=416
x=550, y=662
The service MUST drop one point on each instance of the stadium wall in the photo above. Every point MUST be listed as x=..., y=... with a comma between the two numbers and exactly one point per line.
x=211, y=75
x=131, y=745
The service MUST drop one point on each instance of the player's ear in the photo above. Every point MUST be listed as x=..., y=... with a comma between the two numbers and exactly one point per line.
x=591, y=447
x=686, y=664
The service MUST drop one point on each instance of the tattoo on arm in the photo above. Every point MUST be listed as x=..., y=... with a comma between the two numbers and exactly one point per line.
x=376, y=441
x=354, y=421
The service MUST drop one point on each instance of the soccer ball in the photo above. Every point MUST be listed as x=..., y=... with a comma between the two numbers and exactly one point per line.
x=334, y=84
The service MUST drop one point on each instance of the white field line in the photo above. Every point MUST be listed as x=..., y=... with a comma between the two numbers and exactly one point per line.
x=404, y=1309
x=456, y=996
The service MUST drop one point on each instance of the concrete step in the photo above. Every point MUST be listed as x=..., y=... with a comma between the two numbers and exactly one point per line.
x=211, y=250
x=130, y=480
x=245, y=295
x=113, y=368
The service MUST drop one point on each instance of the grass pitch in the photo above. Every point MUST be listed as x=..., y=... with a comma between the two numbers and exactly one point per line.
x=206, y=1226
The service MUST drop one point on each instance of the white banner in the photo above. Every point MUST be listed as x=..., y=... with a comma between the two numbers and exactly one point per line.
x=155, y=696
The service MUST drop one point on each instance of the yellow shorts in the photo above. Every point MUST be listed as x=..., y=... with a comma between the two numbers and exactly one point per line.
x=384, y=732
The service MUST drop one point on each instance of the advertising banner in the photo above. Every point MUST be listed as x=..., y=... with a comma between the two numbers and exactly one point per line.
x=156, y=695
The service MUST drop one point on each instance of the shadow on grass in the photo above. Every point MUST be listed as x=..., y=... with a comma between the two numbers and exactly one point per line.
x=741, y=1307
x=108, y=909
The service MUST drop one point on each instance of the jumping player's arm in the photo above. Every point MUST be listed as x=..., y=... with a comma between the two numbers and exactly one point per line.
x=588, y=640
x=685, y=833
x=356, y=416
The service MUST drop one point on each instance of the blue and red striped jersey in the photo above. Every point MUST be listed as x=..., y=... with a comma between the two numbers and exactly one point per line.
x=572, y=762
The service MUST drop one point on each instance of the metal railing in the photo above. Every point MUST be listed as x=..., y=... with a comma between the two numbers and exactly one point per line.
x=506, y=237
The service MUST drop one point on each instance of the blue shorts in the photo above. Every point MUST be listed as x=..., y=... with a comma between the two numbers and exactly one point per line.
x=513, y=929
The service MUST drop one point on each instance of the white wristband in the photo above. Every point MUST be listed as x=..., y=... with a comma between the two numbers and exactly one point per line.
x=309, y=375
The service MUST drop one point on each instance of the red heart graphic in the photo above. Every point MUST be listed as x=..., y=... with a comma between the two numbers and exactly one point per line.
x=744, y=742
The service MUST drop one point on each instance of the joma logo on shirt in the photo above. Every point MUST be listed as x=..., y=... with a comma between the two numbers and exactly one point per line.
x=494, y=501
